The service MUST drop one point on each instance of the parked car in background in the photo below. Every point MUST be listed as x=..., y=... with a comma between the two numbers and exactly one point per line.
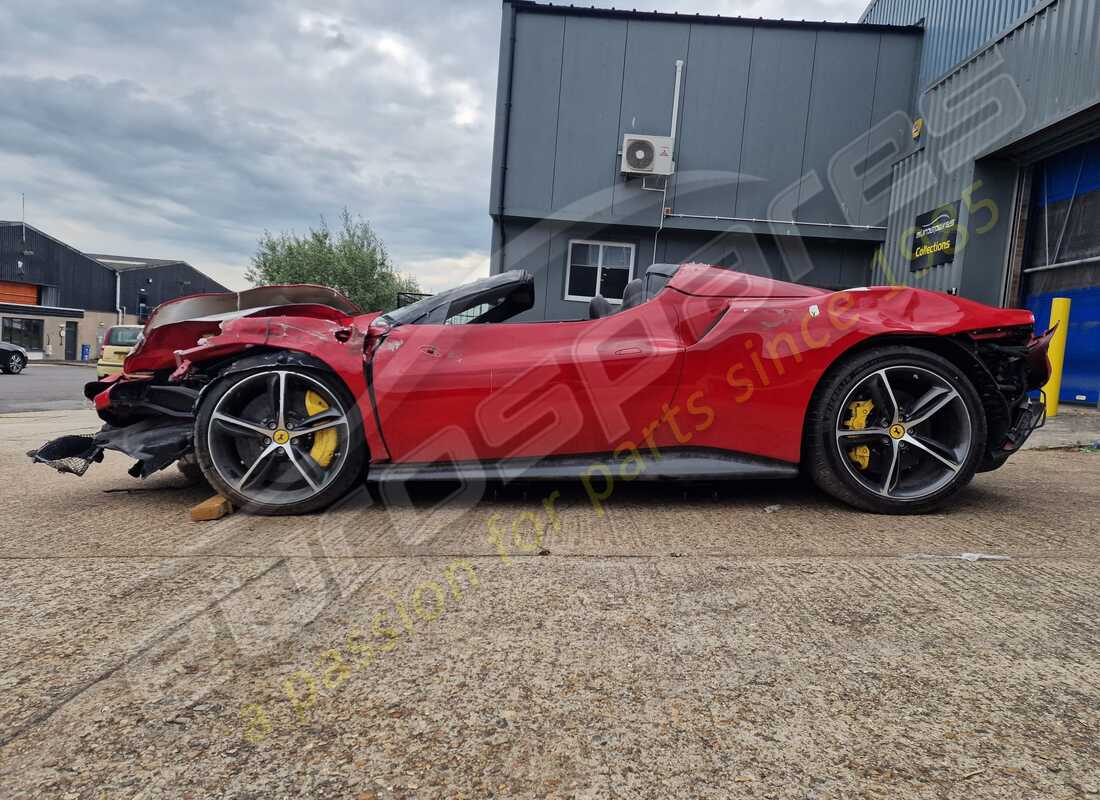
x=12, y=358
x=117, y=344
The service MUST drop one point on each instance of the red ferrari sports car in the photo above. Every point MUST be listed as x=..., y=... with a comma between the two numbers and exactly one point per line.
x=285, y=397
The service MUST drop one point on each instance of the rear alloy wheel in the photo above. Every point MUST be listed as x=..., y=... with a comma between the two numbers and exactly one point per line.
x=897, y=430
x=13, y=363
x=280, y=441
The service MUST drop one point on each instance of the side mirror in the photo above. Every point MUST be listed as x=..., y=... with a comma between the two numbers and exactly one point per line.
x=376, y=332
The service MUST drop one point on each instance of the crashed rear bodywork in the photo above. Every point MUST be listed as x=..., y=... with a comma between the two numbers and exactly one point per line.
x=1010, y=365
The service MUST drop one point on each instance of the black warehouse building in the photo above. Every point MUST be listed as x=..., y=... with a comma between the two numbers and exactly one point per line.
x=58, y=302
x=953, y=146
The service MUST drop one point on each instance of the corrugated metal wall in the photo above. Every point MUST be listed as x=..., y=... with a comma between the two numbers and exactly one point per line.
x=953, y=28
x=82, y=281
x=1039, y=74
x=79, y=281
x=162, y=284
x=910, y=181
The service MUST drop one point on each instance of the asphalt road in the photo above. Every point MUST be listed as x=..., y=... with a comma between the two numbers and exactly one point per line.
x=42, y=387
x=755, y=641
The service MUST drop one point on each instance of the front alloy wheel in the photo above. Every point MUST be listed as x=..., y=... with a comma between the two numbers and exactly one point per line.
x=897, y=430
x=279, y=441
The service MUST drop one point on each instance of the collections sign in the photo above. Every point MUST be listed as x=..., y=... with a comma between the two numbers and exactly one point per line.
x=934, y=239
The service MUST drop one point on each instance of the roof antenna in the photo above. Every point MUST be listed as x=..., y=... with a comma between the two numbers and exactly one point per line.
x=24, y=196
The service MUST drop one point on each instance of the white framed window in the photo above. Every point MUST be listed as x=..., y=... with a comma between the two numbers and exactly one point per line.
x=594, y=268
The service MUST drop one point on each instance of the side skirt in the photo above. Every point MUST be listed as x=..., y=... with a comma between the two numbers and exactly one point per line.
x=682, y=464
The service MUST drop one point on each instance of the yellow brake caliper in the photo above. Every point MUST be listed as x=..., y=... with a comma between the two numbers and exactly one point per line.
x=860, y=409
x=324, y=443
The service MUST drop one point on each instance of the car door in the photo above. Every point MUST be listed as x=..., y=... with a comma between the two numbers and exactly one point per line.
x=587, y=386
x=428, y=381
x=501, y=391
x=433, y=377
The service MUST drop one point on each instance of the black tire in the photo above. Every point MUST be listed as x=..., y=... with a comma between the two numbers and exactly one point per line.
x=12, y=363
x=189, y=468
x=220, y=455
x=911, y=473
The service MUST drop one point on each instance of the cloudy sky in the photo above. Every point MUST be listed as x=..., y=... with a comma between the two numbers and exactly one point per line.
x=182, y=130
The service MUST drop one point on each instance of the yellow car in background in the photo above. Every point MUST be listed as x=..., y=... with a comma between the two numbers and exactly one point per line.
x=117, y=344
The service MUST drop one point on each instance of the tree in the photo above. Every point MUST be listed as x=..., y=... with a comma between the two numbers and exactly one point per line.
x=352, y=260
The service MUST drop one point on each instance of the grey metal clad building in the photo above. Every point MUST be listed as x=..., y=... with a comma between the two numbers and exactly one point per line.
x=761, y=105
x=949, y=144
x=953, y=29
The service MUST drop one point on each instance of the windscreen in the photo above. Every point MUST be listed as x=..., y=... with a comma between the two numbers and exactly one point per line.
x=492, y=299
x=123, y=336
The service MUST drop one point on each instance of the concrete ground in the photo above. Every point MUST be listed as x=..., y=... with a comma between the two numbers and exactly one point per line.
x=757, y=641
x=1072, y=426
x=45, y=387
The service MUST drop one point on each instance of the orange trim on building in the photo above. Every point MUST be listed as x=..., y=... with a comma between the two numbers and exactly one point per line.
x=24, y=294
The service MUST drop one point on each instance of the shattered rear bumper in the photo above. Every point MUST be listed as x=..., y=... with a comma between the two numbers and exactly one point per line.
x=1030, y=416
x=153, y=443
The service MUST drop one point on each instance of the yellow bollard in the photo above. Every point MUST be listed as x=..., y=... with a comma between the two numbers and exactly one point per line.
x=1056, y=353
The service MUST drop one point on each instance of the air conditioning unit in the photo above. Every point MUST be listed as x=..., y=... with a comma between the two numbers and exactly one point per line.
x=647, y=155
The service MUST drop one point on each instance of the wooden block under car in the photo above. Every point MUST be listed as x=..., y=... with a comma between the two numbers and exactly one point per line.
x=211, y=509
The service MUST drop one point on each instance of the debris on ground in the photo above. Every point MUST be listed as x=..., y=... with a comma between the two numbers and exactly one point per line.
x=965, y=557
x=772, y=509
x=211, y=509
